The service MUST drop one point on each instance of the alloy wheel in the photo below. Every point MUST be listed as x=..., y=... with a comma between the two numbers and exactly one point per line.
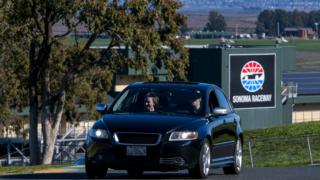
x=206, y=159
x=238, y=155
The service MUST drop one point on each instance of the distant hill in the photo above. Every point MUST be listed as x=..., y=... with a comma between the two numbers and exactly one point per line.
x=239, y=13
x=206, y=5
x=243, y=19
x=245, y=23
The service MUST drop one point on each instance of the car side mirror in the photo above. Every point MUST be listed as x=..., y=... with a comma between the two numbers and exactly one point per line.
x=218, y=111
x=101, y=108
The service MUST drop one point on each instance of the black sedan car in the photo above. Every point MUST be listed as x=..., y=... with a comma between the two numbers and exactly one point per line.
x=166, y=126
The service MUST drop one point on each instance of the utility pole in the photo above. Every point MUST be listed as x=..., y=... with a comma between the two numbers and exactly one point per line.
x=236, y=31
x=278, y=29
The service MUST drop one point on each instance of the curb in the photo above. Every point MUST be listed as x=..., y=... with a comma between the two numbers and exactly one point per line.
x=67, y=169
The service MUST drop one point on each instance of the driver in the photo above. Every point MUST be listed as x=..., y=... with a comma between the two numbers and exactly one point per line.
x=151, y=102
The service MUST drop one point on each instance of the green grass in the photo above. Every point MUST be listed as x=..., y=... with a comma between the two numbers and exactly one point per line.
x=97, y=42
x=249, y=42
x=283, y=146
x=291, y=130
x=302, y=45
x=306, y=62
x=306, y=45
x=28, y=169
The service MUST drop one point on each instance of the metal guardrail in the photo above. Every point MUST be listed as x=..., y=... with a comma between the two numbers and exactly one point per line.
x=68, y=148
x=69, y=153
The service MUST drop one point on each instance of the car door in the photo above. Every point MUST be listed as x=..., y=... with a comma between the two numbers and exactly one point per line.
x=224, y=126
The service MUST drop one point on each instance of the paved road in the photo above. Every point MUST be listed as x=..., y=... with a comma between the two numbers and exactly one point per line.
x=310, y=173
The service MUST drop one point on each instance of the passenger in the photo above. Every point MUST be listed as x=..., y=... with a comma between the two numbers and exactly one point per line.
x=151, y=102
x=196, y=103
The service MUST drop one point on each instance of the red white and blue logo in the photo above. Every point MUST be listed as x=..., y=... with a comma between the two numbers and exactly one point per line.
x=252, y=76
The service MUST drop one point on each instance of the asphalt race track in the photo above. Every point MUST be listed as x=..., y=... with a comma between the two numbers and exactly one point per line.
x=299, y=173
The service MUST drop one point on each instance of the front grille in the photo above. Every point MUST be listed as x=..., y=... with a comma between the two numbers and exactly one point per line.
x=137, y=138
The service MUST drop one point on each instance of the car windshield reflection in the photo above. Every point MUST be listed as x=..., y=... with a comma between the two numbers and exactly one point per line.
x=160, y=101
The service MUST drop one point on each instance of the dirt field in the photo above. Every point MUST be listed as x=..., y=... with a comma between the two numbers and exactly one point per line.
x=244, y=20
x=308, y=61
x=245, y=24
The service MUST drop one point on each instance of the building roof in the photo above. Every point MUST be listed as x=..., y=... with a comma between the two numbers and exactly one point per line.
x=308, y=82
x=291, y=29
x=297, y=29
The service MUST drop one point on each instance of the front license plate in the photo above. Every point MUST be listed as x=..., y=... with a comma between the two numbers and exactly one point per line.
x=136, y=151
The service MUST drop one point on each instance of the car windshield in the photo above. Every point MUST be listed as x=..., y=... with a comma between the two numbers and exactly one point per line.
x=160, y=101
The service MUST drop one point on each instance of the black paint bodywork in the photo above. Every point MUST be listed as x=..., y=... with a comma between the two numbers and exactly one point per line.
x=221, y=131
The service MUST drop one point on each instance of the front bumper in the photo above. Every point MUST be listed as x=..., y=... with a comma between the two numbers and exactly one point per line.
x=165, y=156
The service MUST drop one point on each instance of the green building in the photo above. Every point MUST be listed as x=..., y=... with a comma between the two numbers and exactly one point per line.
x=251, y=77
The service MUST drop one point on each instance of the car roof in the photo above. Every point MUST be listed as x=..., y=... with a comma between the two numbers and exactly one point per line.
x=173, y=84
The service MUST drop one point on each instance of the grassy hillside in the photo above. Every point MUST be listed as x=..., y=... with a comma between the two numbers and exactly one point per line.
x=283, y=146
x=287, y=131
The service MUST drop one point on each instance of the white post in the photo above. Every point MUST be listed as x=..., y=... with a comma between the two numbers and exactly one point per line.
x=310, y=152
x=250, y=152
x=316, y=24
x=8, y=151
x=236, y=31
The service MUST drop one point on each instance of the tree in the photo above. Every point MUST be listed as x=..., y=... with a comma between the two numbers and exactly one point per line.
x=184, y=29
x=314, y=17
x=281, y=17
x=9, y=121
x=260, y=28
x=55, y=75
x=298, y=19
x=11, y=82
x=216, y=22
x=266, y=23
x=268, y=20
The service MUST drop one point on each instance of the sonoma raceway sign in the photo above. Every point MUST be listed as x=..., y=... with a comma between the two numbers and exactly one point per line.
x=252, y=80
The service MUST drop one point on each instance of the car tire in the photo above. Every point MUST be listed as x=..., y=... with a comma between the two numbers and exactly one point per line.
x=202, y=169
x=135, y=173
x=92, y=171
x=237, y=166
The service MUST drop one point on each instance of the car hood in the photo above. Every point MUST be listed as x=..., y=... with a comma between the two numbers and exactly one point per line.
x=146, y=123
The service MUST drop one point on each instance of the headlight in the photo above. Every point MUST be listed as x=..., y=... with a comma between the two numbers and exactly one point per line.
x=98, y=133
x=183, y=135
